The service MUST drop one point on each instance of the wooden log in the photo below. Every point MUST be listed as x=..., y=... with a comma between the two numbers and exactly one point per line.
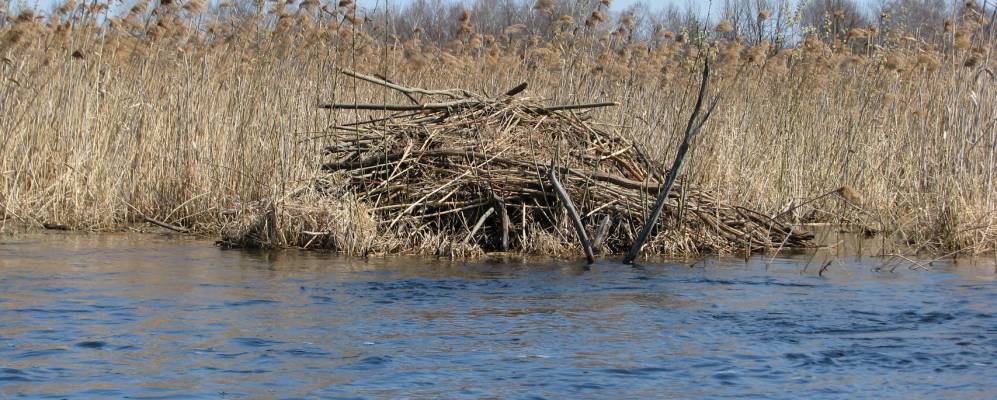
x=602, y=231
x=516, y=90
x=55, y=227
x=572, y=214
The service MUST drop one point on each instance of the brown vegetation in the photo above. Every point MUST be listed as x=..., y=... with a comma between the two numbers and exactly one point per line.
x=193, y=119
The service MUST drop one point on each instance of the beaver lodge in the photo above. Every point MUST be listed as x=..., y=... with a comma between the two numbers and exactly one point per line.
x=463, y=174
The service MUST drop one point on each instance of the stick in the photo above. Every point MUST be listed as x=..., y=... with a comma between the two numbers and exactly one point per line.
x=407, y=94
x=602, y=231
x=504, y=217
x=378, y=160
x=516, y=90
x=400, y=88
x=163, y=224
x=567, y=107
x=575, y=219
x=690, y=132
x=481, y=221
x=400, y=107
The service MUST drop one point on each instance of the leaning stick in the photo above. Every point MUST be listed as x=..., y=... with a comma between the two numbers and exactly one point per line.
x=477, y=226
x=568, y=107
x=400, y=88
x=162, y=224
x=695, y=124
x=400, y=107
x=504, y=219
x=602, y=231
x=572, y=213
x=449, y=106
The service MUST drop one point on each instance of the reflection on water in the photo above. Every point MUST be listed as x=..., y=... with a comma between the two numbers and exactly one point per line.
x=124, y=316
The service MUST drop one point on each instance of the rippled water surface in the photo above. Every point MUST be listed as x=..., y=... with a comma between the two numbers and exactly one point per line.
x=123, y=316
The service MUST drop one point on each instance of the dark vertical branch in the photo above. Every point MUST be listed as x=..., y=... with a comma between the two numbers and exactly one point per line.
x=572, y=213
x=695, y=124
x=499, y=205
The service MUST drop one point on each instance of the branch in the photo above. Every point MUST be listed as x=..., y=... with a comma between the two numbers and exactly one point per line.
x=572, y=213
x=690, y=132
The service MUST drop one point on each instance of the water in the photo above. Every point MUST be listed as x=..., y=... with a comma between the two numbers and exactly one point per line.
x=117, y=316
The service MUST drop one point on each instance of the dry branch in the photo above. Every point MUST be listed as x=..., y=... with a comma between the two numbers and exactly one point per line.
x=576, y=221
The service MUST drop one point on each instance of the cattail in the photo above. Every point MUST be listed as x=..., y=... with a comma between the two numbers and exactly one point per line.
x=65, y=8
x=605, y=2
x=475, y=42
x=77, y=54
x=763, y=15
x=963, y=40
x=194, y=6
x=724, y=26
x=928, y=61
x=948, y=26
x=345, y=3
x=513, y=29
x=849, y=194
x=628, y=20
x=893, y=62
x=596, y=18
x=757, y=54
x=308, y=5
x=972, y=61
x=26, y=16
x=544, y=5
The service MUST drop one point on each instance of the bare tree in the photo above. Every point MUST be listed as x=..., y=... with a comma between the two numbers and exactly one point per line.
x=833, y=19
x=925, y=18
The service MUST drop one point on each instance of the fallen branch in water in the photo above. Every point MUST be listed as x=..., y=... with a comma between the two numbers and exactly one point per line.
x=164, y=224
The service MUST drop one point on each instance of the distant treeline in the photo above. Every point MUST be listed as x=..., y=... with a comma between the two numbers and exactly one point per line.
x=781, y=23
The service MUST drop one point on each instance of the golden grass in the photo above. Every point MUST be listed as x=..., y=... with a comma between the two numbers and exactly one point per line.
x=192, y=125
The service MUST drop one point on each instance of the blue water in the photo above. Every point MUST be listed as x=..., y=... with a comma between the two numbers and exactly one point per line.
x=117, y=316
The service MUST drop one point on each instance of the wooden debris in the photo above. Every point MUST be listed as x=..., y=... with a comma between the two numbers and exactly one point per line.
x=443, y=167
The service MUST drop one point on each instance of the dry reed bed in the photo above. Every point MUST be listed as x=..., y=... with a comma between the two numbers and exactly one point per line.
x=98, y=127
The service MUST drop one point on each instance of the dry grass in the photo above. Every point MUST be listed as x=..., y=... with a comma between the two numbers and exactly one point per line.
x=191, y=125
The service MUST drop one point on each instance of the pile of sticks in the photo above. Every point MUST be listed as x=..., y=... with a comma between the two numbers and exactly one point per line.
x=497, y=172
